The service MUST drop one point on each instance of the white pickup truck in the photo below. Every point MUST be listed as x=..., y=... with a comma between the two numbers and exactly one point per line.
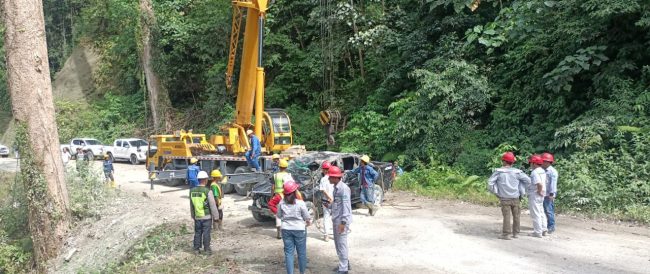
x=96, y=147
x=132, y=150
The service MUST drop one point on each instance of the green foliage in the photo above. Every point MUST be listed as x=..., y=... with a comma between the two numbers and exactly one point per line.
x=440, y=181
x=116, y=116
x=13, y=258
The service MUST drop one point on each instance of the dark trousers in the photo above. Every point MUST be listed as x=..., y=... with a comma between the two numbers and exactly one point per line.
x=202, y=238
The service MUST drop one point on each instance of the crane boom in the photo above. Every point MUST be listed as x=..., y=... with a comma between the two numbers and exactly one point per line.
x=273, y=127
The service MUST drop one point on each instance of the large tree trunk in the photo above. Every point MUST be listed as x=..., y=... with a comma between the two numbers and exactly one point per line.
x=158, y=97
x=28, y=80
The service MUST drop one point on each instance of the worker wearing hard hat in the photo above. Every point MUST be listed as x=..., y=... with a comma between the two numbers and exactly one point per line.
x=279, y=179
x=192, y=173
x=341, y=217
x=367, y=178
x=551, y=190
x=508, y=184
x=204, y=212
x=215, y=186
x=327, y=191
x=536, y=193
x=253, y=154
x=275, y=166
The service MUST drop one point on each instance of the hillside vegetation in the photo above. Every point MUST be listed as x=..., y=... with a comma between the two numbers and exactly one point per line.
x=440, y=87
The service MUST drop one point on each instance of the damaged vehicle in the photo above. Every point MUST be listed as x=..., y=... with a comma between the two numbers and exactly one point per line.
x=305, y=170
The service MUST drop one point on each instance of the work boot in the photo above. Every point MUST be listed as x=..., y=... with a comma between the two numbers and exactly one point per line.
x=544, y=233
x=505, y=237
x=197, y=252
x=113, y=184
x=277, y=235
x=208, y=252
x=515, y=236
x=536, y=235
x=374, y=210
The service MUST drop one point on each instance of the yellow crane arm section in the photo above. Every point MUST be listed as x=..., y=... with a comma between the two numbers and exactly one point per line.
x=250, y=92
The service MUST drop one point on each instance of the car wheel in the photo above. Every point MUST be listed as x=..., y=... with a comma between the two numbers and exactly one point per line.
x=261, y=218
x=241, y=189
x=134, y=159
x=379, y=194
x=5, y=156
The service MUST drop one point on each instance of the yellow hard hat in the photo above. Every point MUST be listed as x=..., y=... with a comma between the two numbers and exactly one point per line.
x=105, y=156
x=284, y=163
x=193, y=160
x=365, y=159
x=275, y=156
x=216, y=174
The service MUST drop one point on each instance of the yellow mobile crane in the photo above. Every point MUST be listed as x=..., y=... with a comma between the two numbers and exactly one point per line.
x=224, y=151
x=272, y=126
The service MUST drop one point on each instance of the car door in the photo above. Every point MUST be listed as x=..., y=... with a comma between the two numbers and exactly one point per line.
x=117, y=149
x=125, y=150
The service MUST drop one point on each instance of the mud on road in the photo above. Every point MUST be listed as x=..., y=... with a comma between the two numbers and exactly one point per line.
x=410, y=234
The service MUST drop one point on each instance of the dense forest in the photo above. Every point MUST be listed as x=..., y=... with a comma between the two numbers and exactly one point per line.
x=440, y=87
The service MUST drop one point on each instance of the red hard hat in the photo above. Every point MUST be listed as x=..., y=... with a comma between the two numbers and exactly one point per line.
x=547, y=157
x=509, y=157
x=334, y=172
x=536, y=159
x=290, y=187
x=326, y=165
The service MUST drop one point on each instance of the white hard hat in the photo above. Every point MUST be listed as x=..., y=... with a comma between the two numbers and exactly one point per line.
x=249, y=132
x=202, y=175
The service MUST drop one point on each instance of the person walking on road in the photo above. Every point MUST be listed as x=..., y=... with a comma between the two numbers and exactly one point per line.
x=192, y=173
x=295, y=219
x=341, y=217
x=551, y=190
x=536, y=193
x=66, y=156
x=508, y=184
x=367, y=178
x=215, y=186
x=204, y=212
x=109, y=170
x=253, y=154
x=327, y=191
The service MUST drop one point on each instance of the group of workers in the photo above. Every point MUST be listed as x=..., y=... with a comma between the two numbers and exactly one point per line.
x=510, y=184
x=84, y=157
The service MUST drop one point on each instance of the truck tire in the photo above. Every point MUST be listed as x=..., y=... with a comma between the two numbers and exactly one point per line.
x=241, y=189
x=379, y=194
x=133, y=159
x=261, y=218
x=228, y=188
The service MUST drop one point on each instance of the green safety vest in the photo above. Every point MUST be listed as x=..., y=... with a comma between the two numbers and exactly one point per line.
x=199, y=198
x=279, y=181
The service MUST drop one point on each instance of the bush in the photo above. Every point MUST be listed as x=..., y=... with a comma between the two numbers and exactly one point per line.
x=87, y=190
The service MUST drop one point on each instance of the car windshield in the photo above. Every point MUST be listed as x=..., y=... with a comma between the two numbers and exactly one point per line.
x=91, y=142
x=137, y=143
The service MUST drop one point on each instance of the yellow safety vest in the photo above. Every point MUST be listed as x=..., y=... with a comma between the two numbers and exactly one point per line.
x=278, y=178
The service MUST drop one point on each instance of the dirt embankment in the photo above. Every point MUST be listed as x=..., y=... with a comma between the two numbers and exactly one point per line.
x=409, y=235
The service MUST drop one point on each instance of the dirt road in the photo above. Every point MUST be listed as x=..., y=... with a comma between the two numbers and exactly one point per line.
x=8, y=164
x=408, y=235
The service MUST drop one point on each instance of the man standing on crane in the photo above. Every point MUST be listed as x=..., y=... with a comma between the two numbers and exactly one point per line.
x=253, y=154
x=192, y=173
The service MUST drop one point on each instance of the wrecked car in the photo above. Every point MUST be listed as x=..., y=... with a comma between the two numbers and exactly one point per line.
x=306, y=171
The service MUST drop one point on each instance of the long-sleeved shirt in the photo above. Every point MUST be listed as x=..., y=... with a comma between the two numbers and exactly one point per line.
x=551, y=181
x=293, y=216
x=211, y=203
x=342, y=205
x=537, y=177
x=367, y=175
x=508, y=182
x=256, y=147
